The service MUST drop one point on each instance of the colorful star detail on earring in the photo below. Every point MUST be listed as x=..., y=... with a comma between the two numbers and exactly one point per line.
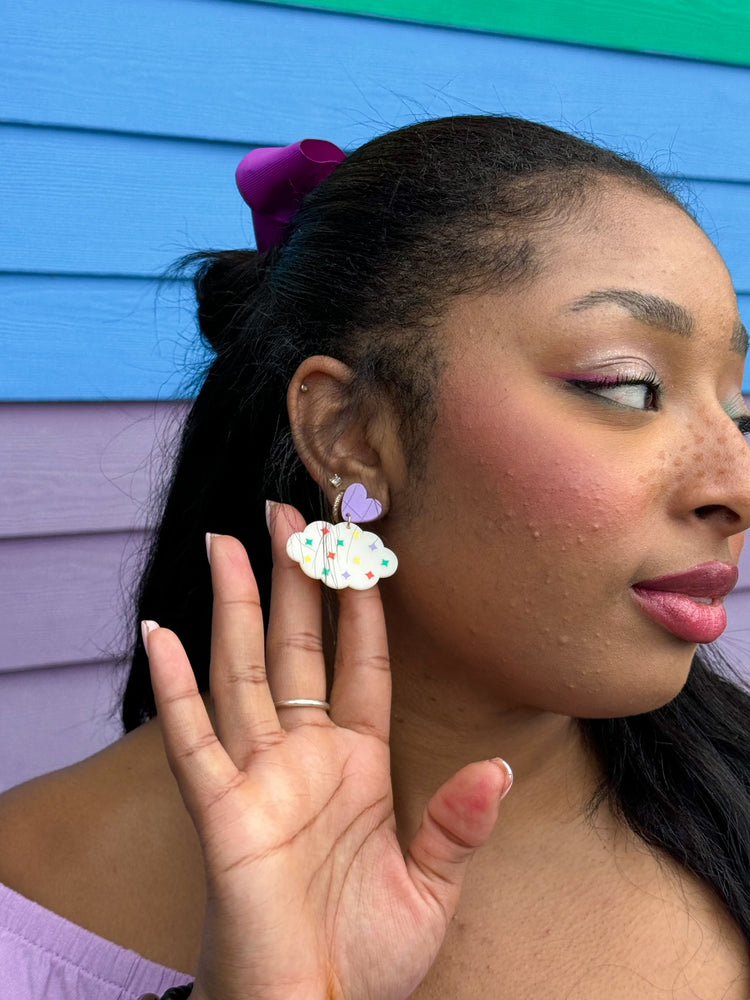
x=344, y=554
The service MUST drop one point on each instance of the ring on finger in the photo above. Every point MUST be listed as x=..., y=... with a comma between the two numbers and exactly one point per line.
x=303, y=703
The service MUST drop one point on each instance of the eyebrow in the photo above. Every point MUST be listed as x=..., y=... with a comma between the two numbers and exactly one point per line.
x=654, y=311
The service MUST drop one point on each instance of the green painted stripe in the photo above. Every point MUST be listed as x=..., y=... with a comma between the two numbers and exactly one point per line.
x=697, y=29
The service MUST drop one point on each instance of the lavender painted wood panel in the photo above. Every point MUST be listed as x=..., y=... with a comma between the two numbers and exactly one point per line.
x=735, y=643
x=63, y=599
x=736, y=639
x=52, y=718
x=82, y=467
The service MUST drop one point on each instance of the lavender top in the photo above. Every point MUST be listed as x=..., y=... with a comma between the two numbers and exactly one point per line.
x=45, y=957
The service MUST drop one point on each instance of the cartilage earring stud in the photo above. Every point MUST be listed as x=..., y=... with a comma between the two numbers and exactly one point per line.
x=304, y=387
x=335, y=480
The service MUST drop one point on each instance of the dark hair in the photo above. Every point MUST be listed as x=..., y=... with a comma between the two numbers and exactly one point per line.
x=407, y=222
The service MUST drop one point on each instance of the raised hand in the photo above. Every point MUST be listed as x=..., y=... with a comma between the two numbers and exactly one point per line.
x=309, y=894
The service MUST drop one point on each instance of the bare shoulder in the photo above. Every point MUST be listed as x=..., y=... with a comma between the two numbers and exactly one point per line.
x=107, y=844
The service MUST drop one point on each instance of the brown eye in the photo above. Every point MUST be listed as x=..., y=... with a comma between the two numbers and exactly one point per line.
x=636, y=396
x=633, y=393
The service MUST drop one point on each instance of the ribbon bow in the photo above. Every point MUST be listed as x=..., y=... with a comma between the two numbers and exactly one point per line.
x=273, y=180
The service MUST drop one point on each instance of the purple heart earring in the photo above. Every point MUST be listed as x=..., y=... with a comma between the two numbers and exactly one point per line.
x=342, y=554
x=355, y=504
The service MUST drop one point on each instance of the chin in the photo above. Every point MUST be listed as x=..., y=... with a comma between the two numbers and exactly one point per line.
x=648, y=687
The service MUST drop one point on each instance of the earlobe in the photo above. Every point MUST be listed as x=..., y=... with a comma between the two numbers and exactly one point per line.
x=340, y=437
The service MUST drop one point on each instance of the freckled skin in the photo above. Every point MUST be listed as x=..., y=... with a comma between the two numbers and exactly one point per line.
x=543, y=504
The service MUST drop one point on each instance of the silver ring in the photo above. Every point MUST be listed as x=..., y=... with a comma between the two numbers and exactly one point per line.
x=302, y=703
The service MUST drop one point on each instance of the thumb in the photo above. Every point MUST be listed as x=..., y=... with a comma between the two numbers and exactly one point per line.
x=458, y=819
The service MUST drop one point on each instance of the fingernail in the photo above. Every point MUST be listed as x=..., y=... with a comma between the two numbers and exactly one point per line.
x=271, y=505
x=508, y=771
x=209, y=536
x=146, y=627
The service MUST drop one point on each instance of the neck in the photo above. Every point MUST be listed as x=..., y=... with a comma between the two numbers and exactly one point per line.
x=439, y=725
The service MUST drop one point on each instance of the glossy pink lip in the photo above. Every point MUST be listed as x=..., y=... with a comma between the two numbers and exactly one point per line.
x=668, y=600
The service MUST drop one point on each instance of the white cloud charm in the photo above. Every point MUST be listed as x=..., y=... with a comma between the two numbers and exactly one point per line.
x=341, y=555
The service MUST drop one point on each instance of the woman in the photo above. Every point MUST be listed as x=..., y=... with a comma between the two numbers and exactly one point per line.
x=529, y=354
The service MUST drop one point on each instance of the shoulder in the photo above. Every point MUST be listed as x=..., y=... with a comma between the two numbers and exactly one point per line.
x=108, y=845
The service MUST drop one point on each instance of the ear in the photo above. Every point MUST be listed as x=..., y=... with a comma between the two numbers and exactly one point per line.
x=337, y=432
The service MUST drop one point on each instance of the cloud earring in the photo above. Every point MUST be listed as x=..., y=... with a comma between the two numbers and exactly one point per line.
x=343, y=554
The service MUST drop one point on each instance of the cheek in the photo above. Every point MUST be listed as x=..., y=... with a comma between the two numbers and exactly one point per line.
x=546, y=484
x=534, y=527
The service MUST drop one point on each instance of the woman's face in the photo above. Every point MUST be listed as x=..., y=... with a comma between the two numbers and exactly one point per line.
x=586, y=441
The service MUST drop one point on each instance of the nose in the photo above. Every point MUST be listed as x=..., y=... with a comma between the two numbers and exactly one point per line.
x=721, y=479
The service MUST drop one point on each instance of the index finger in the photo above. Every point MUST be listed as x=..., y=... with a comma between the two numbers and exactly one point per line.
x=294, y=644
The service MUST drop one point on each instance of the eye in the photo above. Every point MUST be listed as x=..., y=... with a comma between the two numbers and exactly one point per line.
x=635, y=392
x=744, y=424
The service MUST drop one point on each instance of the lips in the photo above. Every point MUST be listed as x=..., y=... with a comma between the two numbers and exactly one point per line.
x=670, y=600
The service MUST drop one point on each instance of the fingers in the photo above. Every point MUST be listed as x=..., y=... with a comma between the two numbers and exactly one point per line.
x=197, y=759
x=294, y=646
x=361, y=695
x=245, y=715
x=458, y=819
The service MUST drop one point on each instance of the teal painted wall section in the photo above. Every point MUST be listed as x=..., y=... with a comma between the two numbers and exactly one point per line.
x=698, y=29
x=122, y=124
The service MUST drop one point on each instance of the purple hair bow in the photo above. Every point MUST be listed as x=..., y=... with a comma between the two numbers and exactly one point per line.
x=273, y=180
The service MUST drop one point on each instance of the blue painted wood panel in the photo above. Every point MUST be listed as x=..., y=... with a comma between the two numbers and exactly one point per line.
x=152, y=103
x=107, y=338
x=79, y=337
x=255, y=73
x=101, y=204
x=94, y=203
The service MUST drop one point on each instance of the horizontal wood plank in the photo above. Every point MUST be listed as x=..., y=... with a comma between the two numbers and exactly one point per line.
x=80, y=203
x=55, y=717
x=103, y=204
x=700, y=29
x=89, y=338
x=82, y=468
x=255, y=73
x=70, y=337
x=64, y=599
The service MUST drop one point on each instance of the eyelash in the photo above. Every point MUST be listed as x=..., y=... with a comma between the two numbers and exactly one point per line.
x=651, y=381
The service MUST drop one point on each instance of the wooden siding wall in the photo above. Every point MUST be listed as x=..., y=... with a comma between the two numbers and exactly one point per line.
x=700, y=29
x=122, y=125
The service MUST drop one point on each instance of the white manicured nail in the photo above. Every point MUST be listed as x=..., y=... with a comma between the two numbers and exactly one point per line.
x=146, y=627
x=504, y=766
x=270, y=506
